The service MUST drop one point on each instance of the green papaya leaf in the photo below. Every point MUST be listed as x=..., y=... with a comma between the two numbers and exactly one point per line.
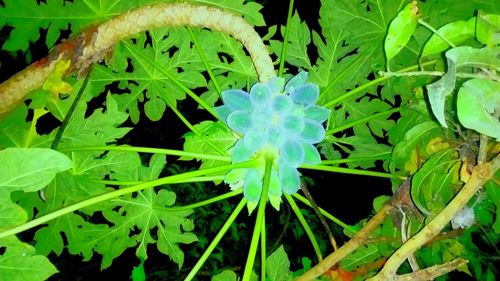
x=226, y=275
x=20, y=263
x=400, y=30
x=432, y=186
x=278, y=266
x=11, y=214
x=456, y=32
x=138, y=273
x=477, y=101
x=379, y=201
x=458, y=57
x=215, y=132
x=30, y=169
x=488, y=28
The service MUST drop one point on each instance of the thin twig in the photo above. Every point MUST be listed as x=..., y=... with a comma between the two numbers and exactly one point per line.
x=433, y=271
x=437, y=73
x=319, y=215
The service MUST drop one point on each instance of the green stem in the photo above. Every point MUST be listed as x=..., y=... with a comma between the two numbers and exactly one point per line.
x=263, y=250
x=216, y=240
x=435, y=31
x=356, y=159
x=260, y=218
x=351, y=171
x=191, y=127
x=149, y=150
x=362, y=120
x=285, y=39
x=191, y=180
x=371, y=83
x=305, y=225
x=206, y=202
x=326, y=214
x=114, y=194
x=203, y=58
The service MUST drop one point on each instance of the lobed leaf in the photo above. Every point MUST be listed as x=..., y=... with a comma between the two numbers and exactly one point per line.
x=217, y=133
x=19, y=262
x=30, y=169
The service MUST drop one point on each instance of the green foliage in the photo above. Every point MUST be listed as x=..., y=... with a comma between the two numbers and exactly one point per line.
x=209, y=134
x=456, y=32
x=28, y=170
x=433, y=184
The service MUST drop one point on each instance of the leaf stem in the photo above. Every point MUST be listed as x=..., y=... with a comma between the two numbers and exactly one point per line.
x=305, y=225
x=206, y=202
x=191, y=180
x=263, y=250
x=435, y=31
x=371, y=83
x=351, y=171
x=285, y=38
x=356, y=159
x=261, y=212
x=69, y=113
x=216, y=240
x=329, y=216
x=192, y=128
x=363, y=120
x=149, y=150
x=205, y=61
x=114, y=194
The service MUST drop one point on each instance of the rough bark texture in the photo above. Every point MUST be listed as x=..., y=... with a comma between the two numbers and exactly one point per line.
x=94, y=43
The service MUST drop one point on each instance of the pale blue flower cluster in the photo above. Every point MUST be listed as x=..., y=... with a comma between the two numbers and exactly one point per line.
x=279, y=118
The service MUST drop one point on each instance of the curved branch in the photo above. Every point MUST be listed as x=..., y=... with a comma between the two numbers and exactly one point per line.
x=481, y=174
x=93, y=44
